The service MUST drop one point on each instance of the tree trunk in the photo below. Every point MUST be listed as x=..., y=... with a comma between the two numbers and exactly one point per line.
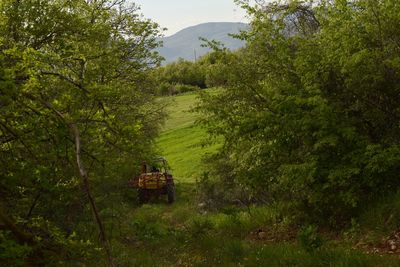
x=84, y=175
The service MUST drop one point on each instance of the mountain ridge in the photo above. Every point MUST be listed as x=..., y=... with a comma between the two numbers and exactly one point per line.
x=185, y=43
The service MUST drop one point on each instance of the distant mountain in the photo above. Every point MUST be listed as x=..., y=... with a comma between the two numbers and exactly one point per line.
x=186, y=44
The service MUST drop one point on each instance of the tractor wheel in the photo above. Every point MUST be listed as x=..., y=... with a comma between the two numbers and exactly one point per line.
x=143, y=196
x=170, y=193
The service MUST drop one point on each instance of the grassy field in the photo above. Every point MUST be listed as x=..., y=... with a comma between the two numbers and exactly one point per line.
x=181, y=140
x=184, y=234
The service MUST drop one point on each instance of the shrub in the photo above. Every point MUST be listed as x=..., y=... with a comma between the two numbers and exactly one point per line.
x=12, y=253
x=200, y=226
x=184, y=88
x=309, y=239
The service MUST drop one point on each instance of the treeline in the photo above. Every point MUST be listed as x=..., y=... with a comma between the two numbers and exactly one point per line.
x=309, y=116
x=77, y=114
x=185, y=76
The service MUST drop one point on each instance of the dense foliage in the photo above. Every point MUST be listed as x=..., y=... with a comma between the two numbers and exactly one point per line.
x=311, y=110
x=76, y=114
x=183, y=76
x=308, y=114
x=173, y=77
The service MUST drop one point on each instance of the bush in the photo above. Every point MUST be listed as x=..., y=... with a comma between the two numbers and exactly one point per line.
x=165, y=88
x=12, y=253
x=200, y=226
x=185, y=88
x=309, y=238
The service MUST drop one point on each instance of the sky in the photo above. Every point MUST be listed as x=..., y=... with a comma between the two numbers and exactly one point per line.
x=179, y=14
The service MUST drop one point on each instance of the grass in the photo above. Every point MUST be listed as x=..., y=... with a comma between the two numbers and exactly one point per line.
x=181, y=140
x=179, y=114
x=159, y=234
x=182, y=234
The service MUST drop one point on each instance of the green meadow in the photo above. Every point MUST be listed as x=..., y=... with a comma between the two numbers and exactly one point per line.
x=181, y=140
x=184, y=234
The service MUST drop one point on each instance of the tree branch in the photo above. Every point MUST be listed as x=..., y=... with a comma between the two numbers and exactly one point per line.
x=9, y=224
x=83, y=173
x=65, y=78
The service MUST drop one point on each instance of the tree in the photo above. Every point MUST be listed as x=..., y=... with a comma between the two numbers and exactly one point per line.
x=76, y=107
x=180, y=76
x=312, y=114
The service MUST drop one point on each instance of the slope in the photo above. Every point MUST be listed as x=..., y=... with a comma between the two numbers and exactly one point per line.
x=186, y=234
x=181, y=140
x=186, y=44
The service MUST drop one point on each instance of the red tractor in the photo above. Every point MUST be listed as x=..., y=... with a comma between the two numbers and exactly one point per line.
x=155, y=180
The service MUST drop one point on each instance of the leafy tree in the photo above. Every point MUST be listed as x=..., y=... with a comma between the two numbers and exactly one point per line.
x=216, y=66
x=313, y=106
x=182, y=73
x=76, y=109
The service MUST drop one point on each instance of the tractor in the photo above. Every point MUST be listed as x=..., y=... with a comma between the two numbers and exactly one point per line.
x=155, y=180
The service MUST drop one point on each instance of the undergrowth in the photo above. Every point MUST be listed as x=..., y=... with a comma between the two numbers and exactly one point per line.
x=206, y=228
x=185, y=234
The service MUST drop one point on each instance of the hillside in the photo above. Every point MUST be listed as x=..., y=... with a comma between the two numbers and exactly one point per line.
x=180, y=142
x=185, y=43
x=235, y=236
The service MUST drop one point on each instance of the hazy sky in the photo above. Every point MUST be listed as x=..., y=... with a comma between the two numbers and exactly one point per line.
x=178, y=14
